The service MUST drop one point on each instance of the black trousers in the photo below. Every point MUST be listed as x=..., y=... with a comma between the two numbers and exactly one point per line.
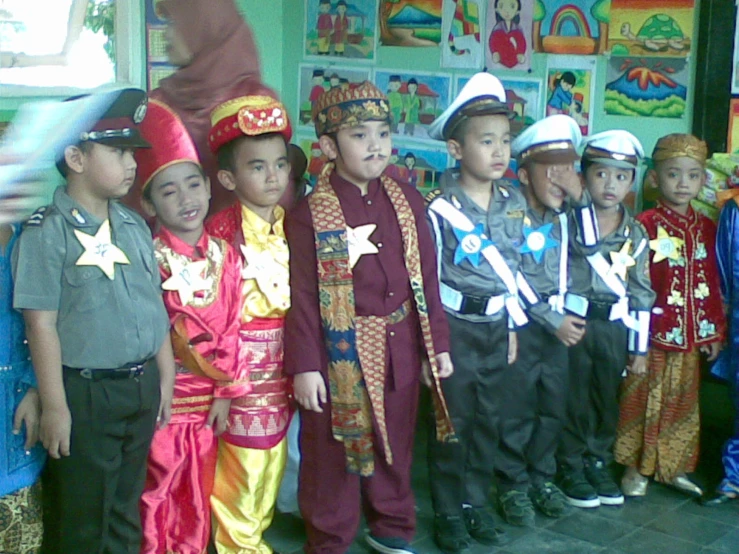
x=596, y=366
x=533, y=410
x=462, y=472
x=91, y=497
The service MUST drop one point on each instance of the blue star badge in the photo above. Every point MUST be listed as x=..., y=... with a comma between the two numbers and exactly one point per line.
x=471, y=244
x=538, y=240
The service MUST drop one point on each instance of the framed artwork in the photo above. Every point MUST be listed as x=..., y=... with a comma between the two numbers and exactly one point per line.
x=157, y=61
x=316, y=78
x=651, y=28
x=460, y=34
x=571, y=88
x=416, y=99
x=577, y=27
x=410, y=22
x=735, y=72
x=316, y=160
x=646, y=87
x=418, y=165
x=341, y=29
x=508, y=32
x=732, y=144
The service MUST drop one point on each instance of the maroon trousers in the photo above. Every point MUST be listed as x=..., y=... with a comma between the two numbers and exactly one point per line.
x=330, y=499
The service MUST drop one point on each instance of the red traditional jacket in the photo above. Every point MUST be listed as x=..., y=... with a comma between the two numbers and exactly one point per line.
x=688, y=311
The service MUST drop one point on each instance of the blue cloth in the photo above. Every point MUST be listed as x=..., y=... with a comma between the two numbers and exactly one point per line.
x=17, y=469
x=560, y=98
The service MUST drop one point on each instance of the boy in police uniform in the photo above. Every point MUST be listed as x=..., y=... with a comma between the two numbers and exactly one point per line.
x=477, y=221
x=614, y=276
x=536, y=387
x=88, y=285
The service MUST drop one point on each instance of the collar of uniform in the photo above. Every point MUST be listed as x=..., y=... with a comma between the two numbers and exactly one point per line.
x=537, y=219
x=451, y=185
x=689, y=218
x=179, y=246
x=624, y=229
x=72, y=211
x=259, y=225
x=345, y=188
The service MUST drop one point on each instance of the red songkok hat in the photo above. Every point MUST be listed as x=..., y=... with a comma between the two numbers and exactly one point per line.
x=170, y=143
x=250, y=116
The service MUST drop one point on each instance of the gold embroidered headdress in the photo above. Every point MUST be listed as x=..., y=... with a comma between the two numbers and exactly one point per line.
x=679, y=145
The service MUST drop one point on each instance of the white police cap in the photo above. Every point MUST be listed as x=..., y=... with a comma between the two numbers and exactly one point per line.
x=617, y=147
x=554, y=139
x=482, y=95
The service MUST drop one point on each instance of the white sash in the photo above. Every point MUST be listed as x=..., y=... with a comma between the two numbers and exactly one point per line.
x=620, y=310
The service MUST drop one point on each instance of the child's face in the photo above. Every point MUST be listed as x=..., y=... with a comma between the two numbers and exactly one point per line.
x=341, y=9
x=318, y=79
x=565, y=85
x=262, y=172
x=394, y=86
x=323, y=8
x=334, y=81
x=485, y=152
x=362, y=153
x=507, y=9
x=109, y=170
x=608, y=185
x=536, y=176
x=410, y=162
x=412, y=88
x=179, y=198
x=679, y=180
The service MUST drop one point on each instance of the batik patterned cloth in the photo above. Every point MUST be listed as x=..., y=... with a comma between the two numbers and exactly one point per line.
x=20, y=521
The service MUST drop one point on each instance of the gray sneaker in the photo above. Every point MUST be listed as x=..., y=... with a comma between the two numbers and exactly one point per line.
x=549, y=500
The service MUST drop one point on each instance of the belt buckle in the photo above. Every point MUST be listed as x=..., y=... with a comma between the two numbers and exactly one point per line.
x=86, y=373
x=135, y=370
x=473, y=305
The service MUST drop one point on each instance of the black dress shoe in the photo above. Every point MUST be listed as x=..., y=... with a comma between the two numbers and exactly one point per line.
x=717, y=499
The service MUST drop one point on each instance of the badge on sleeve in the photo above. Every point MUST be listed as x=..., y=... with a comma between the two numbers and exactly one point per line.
x=665, y=246
x=100, y=250
x=187, y=278
x=471, y=244
x=537, y=241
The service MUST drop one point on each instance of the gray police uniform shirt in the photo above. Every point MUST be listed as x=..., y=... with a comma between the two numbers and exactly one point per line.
x=102, y=323
x=503, y=225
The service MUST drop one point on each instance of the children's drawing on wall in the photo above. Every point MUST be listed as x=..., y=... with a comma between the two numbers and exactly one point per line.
x=316, y=160
x=417, y=165
x=571, y=27
x=415, y=99
x=732, y=144
x=410, y=22
x=570, y=88
x=646, y=87
x=341, y=28
x=735, y=73
x=460, y=34
x=315, y=79
x=508, y=44
x=651, y=28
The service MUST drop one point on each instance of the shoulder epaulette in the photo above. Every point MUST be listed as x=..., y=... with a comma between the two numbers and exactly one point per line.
x=36, y=218
x=433, y=195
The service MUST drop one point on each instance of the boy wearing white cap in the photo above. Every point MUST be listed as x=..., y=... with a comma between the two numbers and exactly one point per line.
x=477, y=221
x=536, y=387
x=614, y=276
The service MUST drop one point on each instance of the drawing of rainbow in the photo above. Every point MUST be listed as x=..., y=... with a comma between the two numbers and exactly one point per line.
x=570, y=21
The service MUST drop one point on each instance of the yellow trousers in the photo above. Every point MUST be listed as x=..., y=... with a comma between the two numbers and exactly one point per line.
x=244, y=495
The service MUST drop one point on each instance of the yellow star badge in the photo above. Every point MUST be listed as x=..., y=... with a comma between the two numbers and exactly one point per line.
x=665, y=246
x=358, y=242
x=622, y=260
x=100, y=250
x=272, y=278
x=187, y=278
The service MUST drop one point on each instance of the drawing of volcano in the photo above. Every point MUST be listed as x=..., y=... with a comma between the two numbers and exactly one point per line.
x=410, y=16
x=647, y=92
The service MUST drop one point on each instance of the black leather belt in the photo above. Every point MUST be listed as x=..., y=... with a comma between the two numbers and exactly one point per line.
x=473, y=305
x=130, y=371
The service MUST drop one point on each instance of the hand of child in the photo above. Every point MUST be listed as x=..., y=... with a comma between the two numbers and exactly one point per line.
x=565, y=177
x=55, y=430
x=28, y=414
x=446, y=368
x=512, y=347
x=218, y=415
x=711, y=350
x=310, y=390
x=165, y=407
x=637, y=364
x=571, y=331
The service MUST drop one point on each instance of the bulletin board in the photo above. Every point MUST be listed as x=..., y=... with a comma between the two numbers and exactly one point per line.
x=157, y=62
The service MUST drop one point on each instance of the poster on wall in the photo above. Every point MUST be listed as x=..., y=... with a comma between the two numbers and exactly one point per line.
x=416, y=99
x=410, y=22
x=317, y=78
x=157, y=61
x=341, y=29
x=578, y=27
x=460, y=34
x=661, y=28
x=508, y=42
x=316, y=160
x=646, y=87
x=732, y=144
x=735, y=73
x=571, y=88
x=418, y=165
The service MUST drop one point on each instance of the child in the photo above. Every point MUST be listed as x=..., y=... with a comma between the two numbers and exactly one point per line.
x=250, y=136
x=561, y=96
x=479, y=294
x=21, y=463
x=507, y=41
x=411, y=107
x=534, y=388
x=613, y=277
x=395, y=100
x=87, y=283
x=201, y=277
x=659, y=424
x=359, y=244
x=324, y=27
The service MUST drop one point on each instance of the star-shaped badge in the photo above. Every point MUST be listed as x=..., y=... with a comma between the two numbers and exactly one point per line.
x=537, y=241
x=187, y=278
x=622, y=260
x=100, y=250
x=358, y=242
x=665, y=246
x=272, y=278
x=471, y=244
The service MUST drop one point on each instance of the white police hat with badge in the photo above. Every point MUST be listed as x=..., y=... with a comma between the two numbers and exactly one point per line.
x=482, y=95
x=554, y=139
x=617, y=147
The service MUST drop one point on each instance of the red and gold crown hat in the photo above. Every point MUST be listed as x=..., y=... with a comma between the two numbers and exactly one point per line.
x=170, y=143
x=342, y=107
x=250, y=116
